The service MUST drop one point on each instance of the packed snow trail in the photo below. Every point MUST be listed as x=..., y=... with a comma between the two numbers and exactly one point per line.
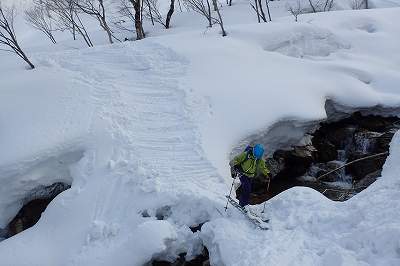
x=149, y=158
x=137, y=94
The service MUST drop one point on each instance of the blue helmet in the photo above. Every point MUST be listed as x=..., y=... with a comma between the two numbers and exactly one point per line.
x=258, y=151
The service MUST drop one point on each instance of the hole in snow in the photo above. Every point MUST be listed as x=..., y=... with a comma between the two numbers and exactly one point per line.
x=29, y=192
x=305, y=151
x=36, y=204
x=161, y=213
x=200, y=260
x=196, y=228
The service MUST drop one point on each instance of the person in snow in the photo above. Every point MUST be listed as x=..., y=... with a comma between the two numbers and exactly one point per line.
x=248, y=165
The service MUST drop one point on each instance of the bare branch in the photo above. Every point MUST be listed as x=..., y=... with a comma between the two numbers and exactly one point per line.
x=39, y=17
x=8, y=37
x=96, y=9
x=201, y=7
x=67, y=15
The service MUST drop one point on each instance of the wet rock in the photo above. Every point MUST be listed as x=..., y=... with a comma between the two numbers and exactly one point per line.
x=200, y=260
x=145, y=214
x=274, y=165
x=28, y=216
x=332, y=145
x=364, y=142
x=362, y=168
x=320, y=169
x=196, y=228
x=326, y=151
x=374, y=122
x=367, y=180
x=337, y=134
x=163, y=213
x=382, y=143
x=31, y=212
x=294, y=162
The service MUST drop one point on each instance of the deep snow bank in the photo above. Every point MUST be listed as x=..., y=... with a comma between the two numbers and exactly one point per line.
x=309, y=229
x=248, y=86
x=157, y=120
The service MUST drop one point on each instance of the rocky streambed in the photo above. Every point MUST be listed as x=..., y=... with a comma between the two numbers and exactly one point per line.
x=328, y=145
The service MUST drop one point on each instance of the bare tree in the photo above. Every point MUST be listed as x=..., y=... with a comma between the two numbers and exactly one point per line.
x=138, y=18
x=320, y=5
x=359, y=4
x=149, y=11
x=8, y=38
x=153, y=13
x=312, y=6
x=126, y=12
x=96, y=9
x=201, y=7
x=329, y=4
x=170, y=13
x=269, y=13
x=259, y=9
x=68, y=18
x=295, y=9
x=39, y=17
x=219, y=21
x=255, y=8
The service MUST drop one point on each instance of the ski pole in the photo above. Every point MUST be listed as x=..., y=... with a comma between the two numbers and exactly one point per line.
x=230, y=192
x=269, y=181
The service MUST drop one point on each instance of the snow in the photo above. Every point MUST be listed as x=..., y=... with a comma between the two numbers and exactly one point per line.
x=144, y=130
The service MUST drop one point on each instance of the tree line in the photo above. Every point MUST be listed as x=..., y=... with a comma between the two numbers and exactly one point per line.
x=51, y=16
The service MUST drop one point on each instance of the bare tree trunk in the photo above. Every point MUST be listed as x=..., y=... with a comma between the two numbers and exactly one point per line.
x=258, y=13
x=269, y=13
x=138, y=19
x=169, y=14
x=71, y=8
x=150, y=12
x=82, y=30
x=312, y=6
x=221, y=23
x=8, y=36
x=107, y=30
x=73, y=32
x=180, y=6
x=209, y=14
x=20, y=52
x=262, y=11
x=104, y=22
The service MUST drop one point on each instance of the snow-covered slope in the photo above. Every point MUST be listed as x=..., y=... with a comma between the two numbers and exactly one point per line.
x=146, y=128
